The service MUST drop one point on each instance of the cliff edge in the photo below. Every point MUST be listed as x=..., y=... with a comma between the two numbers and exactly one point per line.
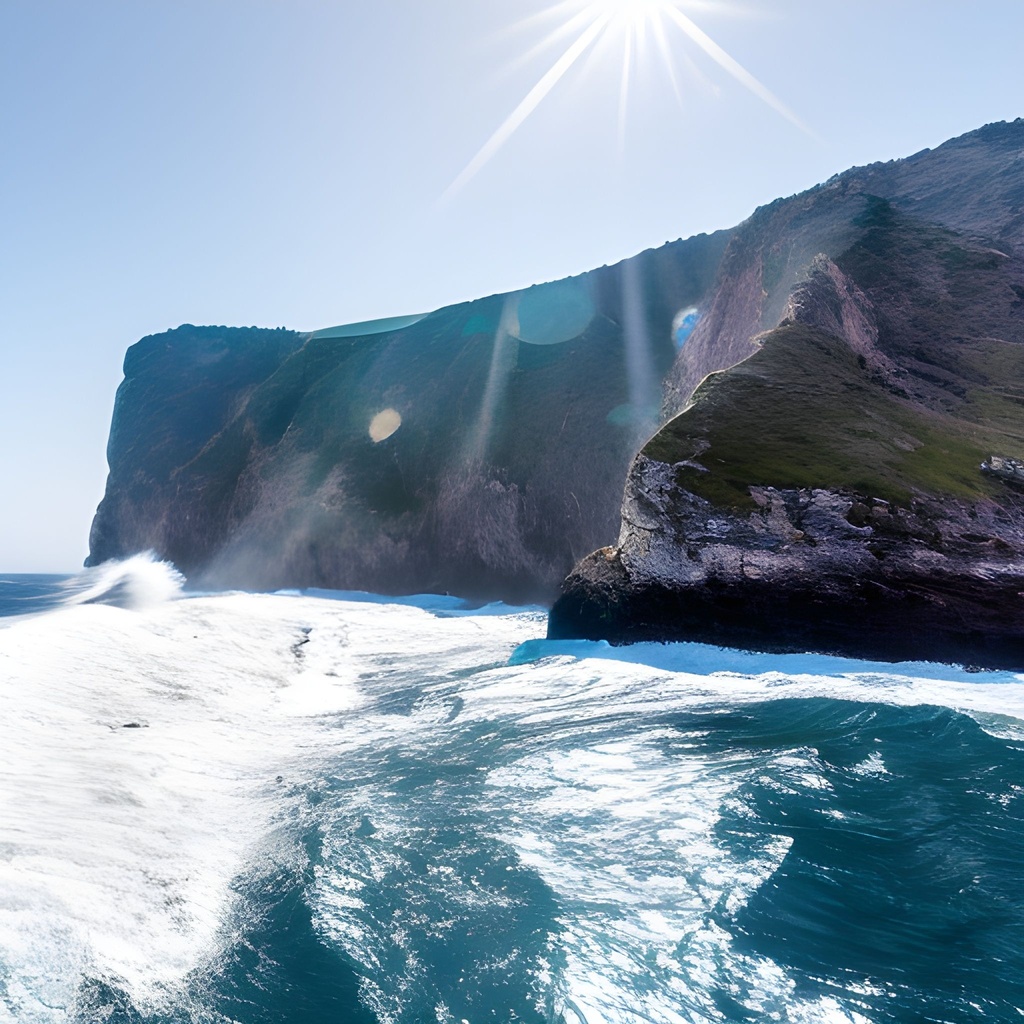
x=855, y=348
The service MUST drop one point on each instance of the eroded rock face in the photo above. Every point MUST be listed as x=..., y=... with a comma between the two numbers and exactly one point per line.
x=973, y=185
x=806, y=570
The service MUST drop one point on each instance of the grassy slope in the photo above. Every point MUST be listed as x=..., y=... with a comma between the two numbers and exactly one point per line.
x=802, y=412
x=805, y=412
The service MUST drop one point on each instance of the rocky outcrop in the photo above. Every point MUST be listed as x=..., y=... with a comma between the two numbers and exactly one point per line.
x=1010, y=470
x=807, y=569
x=836, y=489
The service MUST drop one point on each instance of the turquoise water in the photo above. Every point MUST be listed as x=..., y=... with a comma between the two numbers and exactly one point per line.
x=324, y=807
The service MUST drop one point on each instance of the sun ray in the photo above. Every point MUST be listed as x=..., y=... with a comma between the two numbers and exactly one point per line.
x=666, y=55
x=578, y=22
x=732, y=66
x=641, y=378
x=502, y=364
x=529, y=104
x=603, y=53
x=627, y=70
x=548, y=14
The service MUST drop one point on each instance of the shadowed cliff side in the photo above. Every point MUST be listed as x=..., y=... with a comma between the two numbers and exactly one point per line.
x=479, y=449
x=180, y=390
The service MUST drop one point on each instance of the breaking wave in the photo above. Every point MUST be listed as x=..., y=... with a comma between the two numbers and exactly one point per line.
x=141, y=581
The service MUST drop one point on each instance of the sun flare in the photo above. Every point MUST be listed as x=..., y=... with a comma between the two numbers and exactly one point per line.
x=635, y=24
x=629, y=11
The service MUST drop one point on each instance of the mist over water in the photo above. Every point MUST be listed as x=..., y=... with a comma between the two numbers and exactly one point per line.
x=328, y=807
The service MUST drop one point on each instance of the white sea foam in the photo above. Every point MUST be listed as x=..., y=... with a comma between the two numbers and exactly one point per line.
x=623, y=834
x=137, y=780
x=142, y=747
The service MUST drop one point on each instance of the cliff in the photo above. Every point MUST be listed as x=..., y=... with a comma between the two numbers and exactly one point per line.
x=973, y=185
x=479, y=449
x=848, y=480
x=857, y=348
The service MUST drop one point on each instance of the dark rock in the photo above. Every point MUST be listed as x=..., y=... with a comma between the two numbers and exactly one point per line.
x=794, y=575
x=1009, y=470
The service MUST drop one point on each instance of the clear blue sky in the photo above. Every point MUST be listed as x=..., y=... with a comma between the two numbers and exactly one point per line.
x=283, y=162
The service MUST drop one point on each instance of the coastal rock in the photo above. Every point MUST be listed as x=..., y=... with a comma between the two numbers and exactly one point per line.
x=972, y=185
x=1009, y=470
x=930, y=581
x=835, y=490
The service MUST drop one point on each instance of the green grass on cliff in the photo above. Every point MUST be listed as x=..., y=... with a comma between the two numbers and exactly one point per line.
x=804, y=412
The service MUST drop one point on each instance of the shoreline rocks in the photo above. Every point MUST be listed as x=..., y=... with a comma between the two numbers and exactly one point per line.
x=820, y=570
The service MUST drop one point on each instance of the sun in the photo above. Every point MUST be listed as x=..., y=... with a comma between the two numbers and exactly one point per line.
x=635, y=23
x=629, y=12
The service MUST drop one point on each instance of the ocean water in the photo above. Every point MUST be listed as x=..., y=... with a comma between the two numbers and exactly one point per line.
x=29, y=595
x=337, y=808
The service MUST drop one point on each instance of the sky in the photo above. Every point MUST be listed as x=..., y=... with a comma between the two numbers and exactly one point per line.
x=306, y=163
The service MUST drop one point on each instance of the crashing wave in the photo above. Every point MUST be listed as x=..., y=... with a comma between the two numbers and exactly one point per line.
x=141, y=581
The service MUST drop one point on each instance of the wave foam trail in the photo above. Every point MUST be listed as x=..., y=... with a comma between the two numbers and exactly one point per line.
x=138, y=582
x=138, y=781
x=220, y=806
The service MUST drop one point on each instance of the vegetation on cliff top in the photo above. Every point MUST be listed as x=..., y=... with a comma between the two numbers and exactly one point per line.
x=807, y=411
x=804, y=412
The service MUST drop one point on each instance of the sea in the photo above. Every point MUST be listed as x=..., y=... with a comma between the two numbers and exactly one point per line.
x=319, y=808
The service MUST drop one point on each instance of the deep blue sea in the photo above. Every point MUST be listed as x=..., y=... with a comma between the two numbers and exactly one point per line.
x=323, y=807
x=22, y=594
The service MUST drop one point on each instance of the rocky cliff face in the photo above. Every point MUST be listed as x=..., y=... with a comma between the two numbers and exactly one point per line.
x=848, y=480
x=480, y=449
x=973, y=185
x=807, y=569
